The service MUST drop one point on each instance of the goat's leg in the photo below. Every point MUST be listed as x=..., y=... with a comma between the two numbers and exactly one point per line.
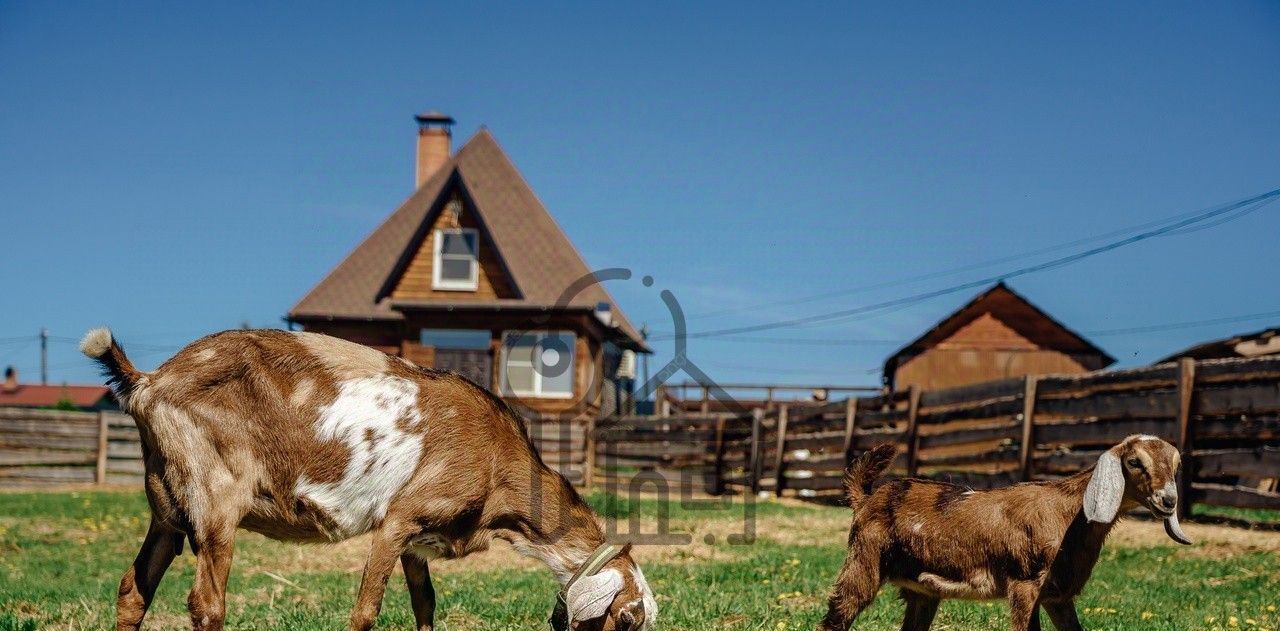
x=1024, y=608
x=421, y=593
x=855, y=588
x=386, y=548
x=920, y=611
x=138, y=586
x=1063, y=615
x=207, y=601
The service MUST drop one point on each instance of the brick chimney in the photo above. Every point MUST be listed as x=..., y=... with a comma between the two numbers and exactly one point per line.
x=434, y=132
x=11, y=379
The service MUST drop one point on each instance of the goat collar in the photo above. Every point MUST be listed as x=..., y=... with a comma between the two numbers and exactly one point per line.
x=603, y=554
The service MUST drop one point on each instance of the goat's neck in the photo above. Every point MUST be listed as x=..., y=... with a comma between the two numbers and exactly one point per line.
x=1082, y=540
x=553, y=524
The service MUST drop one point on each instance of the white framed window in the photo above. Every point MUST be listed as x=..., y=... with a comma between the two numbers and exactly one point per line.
x=538, y=364
x=455, y=264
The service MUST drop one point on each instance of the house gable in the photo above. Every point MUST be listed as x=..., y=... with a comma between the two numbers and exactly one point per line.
x=416, y=281
x=997, y=334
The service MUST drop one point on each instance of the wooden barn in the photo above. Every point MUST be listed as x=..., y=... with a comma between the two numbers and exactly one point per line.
x=998, y=334
x=1264, y=343
x=472, y=274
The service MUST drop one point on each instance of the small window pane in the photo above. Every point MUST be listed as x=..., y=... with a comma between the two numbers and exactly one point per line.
x=519, y=378
x=520, y=348
x=460, y=339
x=461, y=243
x=452, y=269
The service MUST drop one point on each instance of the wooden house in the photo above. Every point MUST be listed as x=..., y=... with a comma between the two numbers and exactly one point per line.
x=88, y=398
x=472, y=274
x=998, y=334
x=1262, y=343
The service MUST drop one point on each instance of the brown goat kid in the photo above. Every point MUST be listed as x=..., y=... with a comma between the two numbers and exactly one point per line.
x=304, y=437
x=1034, y=544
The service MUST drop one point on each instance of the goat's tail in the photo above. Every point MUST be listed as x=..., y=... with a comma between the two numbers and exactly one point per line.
x=864, y=471
x=121, y=375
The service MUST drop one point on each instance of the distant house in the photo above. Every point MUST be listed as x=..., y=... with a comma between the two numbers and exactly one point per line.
x=27, y=395
x=998, y=334
x=472, y=274
x=1257, y=344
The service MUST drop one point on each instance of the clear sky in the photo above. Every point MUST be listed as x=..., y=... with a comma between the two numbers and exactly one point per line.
x=175, y=170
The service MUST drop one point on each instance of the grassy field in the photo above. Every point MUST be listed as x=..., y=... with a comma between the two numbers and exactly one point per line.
x=61, y=556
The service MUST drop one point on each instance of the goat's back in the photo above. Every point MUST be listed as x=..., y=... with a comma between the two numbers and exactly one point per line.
x=322, y=434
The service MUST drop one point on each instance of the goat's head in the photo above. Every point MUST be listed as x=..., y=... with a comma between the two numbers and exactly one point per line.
x=617, y=598
x=1140, y=471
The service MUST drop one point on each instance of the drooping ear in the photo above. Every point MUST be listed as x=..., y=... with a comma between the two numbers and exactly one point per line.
x=591, y=596
x=1106, y=489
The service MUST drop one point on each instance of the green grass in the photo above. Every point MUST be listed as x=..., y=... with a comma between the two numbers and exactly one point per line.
x=61, y=556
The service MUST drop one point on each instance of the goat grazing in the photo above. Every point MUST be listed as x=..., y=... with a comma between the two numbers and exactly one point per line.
x=304, y=437
x=1034, y=544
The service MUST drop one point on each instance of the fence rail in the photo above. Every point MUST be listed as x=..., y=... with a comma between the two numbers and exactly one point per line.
x=50, y=448
x=1224, y=415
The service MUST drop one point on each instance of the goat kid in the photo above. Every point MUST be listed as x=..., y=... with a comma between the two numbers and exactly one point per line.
x=305, y=437
x=1034, y=544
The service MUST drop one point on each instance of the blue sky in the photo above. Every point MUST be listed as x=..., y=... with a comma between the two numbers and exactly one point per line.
x=175, y=170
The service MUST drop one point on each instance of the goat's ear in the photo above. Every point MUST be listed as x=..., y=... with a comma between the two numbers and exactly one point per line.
x=591, y=596
x=1106, y=489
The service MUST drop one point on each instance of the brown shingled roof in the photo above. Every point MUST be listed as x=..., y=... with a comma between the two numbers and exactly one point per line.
x=539, y=257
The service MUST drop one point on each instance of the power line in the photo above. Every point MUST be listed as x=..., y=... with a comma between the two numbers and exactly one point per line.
x=1030, y=269
x=981, y=264
x=1185, y=325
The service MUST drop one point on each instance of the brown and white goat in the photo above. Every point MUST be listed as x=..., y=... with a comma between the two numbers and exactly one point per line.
x=304, y=437
x=1034, y=544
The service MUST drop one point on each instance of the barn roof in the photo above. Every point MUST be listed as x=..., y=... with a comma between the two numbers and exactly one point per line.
x=1256, y=344
x=539, y=257
x=1016, y=312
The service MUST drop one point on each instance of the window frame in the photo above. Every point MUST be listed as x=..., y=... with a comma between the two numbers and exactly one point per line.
x=537, y=392
x=438, y=255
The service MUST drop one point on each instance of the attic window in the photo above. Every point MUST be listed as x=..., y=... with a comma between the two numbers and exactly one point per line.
x=456, y=265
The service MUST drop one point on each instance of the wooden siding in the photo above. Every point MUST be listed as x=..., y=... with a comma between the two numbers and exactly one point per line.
x=588, y=351
x=384, y=336
x=983, y=350
x=416, y=282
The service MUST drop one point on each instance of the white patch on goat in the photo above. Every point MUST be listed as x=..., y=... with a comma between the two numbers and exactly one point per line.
x=365, y=417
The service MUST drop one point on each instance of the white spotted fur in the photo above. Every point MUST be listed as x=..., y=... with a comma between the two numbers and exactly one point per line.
x=376, y=470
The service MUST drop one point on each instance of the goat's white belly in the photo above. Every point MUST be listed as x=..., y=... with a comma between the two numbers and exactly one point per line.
x=378, y=420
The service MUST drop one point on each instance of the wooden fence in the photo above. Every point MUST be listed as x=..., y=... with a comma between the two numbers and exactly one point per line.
x=675, y=454
x=1224, y=415
x=50, y=448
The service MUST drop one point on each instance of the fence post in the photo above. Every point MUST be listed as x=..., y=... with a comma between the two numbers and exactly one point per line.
x=1026, y=449
x=780, y=458
x=706, y=399
x=589, y=472
x=850, y=422
x=660, y=402
x=1186, y=390
x=757, y=419
x=100, y=473
x=913, y=443
x=717, y=484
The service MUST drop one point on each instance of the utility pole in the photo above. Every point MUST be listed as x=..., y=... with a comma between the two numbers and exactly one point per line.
x=644, y=359
x=44, y=356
